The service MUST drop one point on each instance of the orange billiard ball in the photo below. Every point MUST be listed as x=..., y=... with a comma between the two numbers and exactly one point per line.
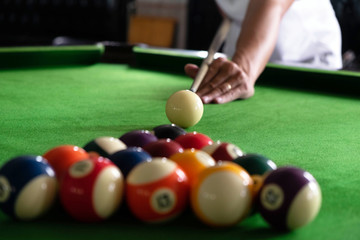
x=157, y=191
x=63, y=156
x=193, y=161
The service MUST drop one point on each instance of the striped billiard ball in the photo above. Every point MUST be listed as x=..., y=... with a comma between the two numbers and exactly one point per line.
x=223, y=151
x=221, y=195
x=289, y=198
x=28, y=187
x=92, y=189
x=104, y=146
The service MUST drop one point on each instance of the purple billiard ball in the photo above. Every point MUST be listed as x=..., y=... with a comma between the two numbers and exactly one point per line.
x=28, y=187
x=138, y=138
x=128, y=158
x=289, y=198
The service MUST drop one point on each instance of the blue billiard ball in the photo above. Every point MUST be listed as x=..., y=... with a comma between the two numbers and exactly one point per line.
x=28, y=187
x=128, y=158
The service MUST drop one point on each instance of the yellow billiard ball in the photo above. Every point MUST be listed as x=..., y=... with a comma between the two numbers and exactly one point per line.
x=184, y=108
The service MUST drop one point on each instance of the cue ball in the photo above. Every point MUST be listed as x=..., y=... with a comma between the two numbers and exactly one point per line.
x=221, y=195
x=28, y=187
x=289, y=198
x=157, y=191
x=92, y=189
x=184, y=108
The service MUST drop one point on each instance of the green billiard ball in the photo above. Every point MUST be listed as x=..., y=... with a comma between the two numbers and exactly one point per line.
x=255, y=164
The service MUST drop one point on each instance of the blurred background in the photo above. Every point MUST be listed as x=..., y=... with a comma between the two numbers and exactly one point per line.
x=184, y=24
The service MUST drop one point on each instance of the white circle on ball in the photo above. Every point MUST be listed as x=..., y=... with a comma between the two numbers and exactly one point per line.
x=81, y=169
x=5, y=189
x=234, y=151
x=163, y=200
x=205, y=159
x=272, y=197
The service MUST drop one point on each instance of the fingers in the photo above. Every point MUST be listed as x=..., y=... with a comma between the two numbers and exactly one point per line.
x=191, y=70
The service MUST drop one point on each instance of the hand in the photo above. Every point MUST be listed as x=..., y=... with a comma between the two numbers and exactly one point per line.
x=224, y=82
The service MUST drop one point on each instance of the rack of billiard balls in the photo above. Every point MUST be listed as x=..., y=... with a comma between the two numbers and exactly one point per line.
x=157, y=174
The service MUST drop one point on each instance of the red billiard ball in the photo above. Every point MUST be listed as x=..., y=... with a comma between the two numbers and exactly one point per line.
x=163, y=148
x=138, y=138
x=28, y=187
x=221, y=195
x=289, y=198
x=157, y=191
x=63, y=156
x=223, y=151
x=92, y=189
x=193, y=161
x=104, y=146
x=194, y=140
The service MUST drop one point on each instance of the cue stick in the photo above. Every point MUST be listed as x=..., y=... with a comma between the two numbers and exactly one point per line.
x=214, y=47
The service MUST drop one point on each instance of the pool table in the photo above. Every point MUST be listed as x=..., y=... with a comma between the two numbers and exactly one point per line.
x=301, y=117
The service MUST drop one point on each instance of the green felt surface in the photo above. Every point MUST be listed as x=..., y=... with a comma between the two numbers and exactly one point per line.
x=45, y=107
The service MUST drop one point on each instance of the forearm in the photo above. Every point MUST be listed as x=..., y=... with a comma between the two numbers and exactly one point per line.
x=259, y=34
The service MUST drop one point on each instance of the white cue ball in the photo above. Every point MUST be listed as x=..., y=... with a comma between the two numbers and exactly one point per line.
x=184, y=108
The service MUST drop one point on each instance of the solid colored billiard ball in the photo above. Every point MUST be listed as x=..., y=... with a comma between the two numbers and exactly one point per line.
x=163, y=148
x=184, y=108
x=138, y=138
x=255, y=164
x=194, y=140
x=63, y=156
x=289, y=198
x=104, y=146
x=28, y=187
x=193, y=161
x=223, y=151
x=157, y=191
x=128, y=158
x=171, y=131
x=221, y=195
x=92, y=189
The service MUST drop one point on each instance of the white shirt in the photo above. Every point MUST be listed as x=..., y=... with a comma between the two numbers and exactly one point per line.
x=309, y=33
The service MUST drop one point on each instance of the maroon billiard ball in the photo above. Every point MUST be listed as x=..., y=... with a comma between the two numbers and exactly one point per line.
x=289, y=198
x=163, y=148
x=194, y=140
x=92, y=189
x=223, y=151
x=138, y=138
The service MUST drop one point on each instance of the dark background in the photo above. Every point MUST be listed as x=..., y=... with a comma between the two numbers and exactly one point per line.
x=37, y=22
